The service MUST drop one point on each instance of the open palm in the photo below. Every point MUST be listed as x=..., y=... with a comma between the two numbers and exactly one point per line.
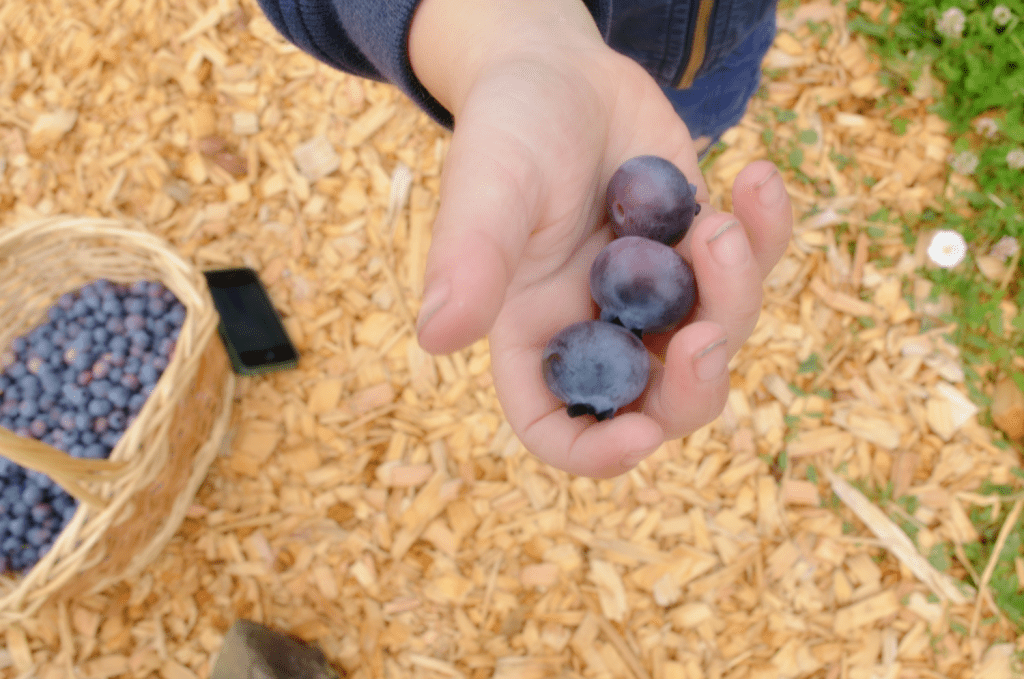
x=522, y=219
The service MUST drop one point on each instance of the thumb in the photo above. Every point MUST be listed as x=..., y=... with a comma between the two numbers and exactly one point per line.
x=489, y=199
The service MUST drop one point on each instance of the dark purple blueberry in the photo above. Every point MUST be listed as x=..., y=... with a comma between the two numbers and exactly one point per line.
x=115, y=326
x=112, y=307
x=37, y=427
x=642, y=284
x=100, y=425
x=99, y=388
x=67, y=300
x=32, y=495
x=135, y=404
x=649, y=197
x=17, y=370
x=84, y=378
x=82, y=421
x=595, y=368
x=134, y=322
x=116, y=420
x=156, y=306
x=28, y=408
x=130, y=381
x=135, y=306
x=118, y=396
x=37, y=536
x=177, y=314
x=67, y=421
x=74, y=394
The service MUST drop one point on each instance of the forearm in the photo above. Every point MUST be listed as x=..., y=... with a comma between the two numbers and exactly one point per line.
x=451, y=40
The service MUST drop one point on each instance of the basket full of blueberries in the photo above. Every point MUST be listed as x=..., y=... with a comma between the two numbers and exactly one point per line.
x=115, y=394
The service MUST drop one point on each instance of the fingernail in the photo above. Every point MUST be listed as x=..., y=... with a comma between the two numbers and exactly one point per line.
x=711, y=361
x=770, y=189
x=728, y=245
x=632, y=460
x=433, y=299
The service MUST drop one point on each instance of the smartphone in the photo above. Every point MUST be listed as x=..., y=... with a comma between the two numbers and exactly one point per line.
x=250, y=327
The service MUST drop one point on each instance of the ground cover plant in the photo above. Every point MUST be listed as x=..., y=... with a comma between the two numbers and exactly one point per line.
x=974, y=50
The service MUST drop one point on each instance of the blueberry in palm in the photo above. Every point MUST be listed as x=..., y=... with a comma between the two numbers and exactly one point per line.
x=648, y=196
x=642, y=284
x=595, y=368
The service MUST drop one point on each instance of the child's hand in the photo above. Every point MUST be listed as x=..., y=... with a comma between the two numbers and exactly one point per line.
x=544, y=116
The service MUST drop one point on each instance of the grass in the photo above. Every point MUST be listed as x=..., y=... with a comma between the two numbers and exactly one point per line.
x=975, y=50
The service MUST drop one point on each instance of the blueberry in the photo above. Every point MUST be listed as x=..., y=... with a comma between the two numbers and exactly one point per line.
x=118, y=396
x=116, y=420
x=642, y=284
x=74, y=394
x=49, y=382
x=114, y=325
x=156, y=306
x=595, y=368
x=32, y=495
x=28, y=408
x=99, y=407
x=148, y=374
x=132, y=365
x=95, y=451
x=118, y=344
x=648, y=196
x=41, y=512
x=99, y=388
x=112, y=306
x=136, y=402
x=38, y=427
x=134, y=322
x=78, y=309
x=141, y=339
x=177, y=314
x=114, y=375
x=82, y=421
x=130, y=382
x=17, y=370
x=66, y=300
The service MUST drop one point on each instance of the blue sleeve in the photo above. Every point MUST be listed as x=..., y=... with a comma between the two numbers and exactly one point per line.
x=370, y=39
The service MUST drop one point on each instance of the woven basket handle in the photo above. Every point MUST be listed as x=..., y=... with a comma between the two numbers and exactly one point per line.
x=68, y=472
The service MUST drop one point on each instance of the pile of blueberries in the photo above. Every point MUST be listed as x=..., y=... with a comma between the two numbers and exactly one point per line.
x=640, y=283
x=77, y=382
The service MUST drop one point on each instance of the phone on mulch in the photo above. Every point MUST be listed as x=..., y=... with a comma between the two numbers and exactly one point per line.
x=250, y=327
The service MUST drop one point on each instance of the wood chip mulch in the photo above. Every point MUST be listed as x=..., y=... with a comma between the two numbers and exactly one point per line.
x=374, y=501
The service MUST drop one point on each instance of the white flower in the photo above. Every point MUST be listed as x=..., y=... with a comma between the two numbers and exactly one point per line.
x=947, y=249
x=1002, y=15
x=986, y=127
x=1005, y=248
x=964, y=162
x=953, y=22
x=1015, y=159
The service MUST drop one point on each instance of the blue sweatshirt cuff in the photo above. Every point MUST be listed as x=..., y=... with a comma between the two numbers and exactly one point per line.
x=370, y=39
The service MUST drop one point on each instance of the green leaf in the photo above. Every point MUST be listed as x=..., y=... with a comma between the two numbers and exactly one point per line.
x=784, y=116
x=807, y=137
x=899, y=125
x=796, y=157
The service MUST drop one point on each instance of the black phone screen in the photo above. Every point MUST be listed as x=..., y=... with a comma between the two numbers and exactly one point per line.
x=249, y=320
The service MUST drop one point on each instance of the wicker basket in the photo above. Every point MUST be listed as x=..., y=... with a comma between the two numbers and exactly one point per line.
x=131, y=504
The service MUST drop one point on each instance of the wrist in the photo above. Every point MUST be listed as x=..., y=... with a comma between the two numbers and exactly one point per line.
x=452, y=41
